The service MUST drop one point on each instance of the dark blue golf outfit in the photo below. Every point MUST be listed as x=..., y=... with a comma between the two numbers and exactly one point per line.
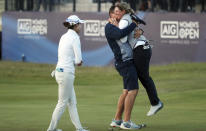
x=122, y=54
x=141, y=60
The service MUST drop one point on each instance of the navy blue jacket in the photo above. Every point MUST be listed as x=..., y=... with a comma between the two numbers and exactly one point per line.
x=112, y=34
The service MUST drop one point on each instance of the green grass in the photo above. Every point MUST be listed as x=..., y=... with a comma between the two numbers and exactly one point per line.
x=28, y=96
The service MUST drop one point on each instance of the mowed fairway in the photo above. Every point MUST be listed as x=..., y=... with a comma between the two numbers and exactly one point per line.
x=28, y=96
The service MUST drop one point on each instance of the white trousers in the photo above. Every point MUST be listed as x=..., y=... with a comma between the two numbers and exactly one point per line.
x=66, y=97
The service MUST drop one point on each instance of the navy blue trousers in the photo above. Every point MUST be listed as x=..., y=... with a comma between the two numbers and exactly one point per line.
x=141, y=60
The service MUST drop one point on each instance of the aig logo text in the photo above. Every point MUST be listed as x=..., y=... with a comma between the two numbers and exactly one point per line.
x=32, y=26
x=94, y=28
x=179, y=29
x=169, y=29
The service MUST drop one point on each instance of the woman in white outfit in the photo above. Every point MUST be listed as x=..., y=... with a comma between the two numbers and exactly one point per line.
x=69, y=55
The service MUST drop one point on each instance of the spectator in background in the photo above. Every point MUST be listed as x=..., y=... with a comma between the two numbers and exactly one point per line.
x=115, y=2
x=30, y=5
x=44, y=3
x=19, y=5
x=51, y=5
x=144, y=5
x=203, y=5
x=174, y=5
x=187, y=5
x=133, y=4
x=163, y=4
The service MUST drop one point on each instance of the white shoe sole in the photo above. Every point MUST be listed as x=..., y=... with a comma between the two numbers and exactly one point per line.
x=114, y=125
x=156, y=110
x=124, y=128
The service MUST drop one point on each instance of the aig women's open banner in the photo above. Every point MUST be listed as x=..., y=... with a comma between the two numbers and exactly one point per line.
x=34, y=37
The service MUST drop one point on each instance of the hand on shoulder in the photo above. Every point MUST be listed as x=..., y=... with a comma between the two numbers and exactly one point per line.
x=113, y=21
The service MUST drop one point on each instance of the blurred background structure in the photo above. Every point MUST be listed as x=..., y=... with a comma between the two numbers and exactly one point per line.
x=41, y=13
x=102, y=5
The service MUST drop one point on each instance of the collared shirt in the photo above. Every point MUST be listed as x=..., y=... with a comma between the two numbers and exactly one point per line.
x=69, y=51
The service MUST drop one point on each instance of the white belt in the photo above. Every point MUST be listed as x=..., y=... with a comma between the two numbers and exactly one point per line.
x=139, y=43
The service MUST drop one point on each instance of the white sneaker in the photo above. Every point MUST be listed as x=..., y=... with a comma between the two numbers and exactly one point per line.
x=58, y=130
x=155, y=109
x=55, y=130
x=130, y=126
x=116, y=123
x=82, y=129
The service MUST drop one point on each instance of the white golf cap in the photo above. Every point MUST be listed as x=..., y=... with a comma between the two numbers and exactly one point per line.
x=73, y=19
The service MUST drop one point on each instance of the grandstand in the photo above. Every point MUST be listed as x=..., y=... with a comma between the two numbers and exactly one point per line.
x=101, y=5
x=88, y=6
x=16, y=14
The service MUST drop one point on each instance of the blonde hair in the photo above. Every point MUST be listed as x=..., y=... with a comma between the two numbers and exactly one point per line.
x=124, y=6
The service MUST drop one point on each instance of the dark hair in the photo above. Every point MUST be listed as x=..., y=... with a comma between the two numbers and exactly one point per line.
x=111, y=10
x=67, y=24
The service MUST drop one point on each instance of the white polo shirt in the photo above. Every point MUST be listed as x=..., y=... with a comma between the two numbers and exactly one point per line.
x=69, y=51
x=123, y=24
